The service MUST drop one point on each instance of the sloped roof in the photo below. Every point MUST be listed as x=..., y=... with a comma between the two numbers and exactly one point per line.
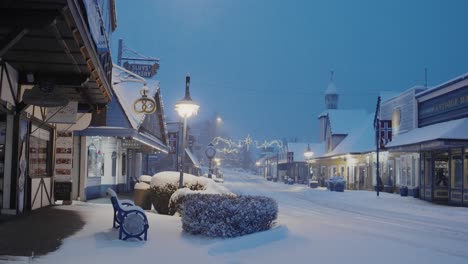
x=360, y=140
x=192, y=157
x=443, y=85
x=127, y=92
x=454, y=130
x=331, y=89
x=343, y=121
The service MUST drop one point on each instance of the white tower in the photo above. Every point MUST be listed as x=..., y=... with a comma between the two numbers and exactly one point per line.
x=331, y=94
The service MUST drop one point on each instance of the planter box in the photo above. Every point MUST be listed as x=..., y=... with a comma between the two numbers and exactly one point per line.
x=404, y=191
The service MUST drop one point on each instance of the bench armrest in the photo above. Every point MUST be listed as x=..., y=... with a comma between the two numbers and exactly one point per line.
x=126, y=202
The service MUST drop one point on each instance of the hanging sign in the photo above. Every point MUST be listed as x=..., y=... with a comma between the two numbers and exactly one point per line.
x=144, y=70
x=63, y=115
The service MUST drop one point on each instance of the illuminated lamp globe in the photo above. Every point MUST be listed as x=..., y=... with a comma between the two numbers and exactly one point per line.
x=308, y=153
x=186, y=108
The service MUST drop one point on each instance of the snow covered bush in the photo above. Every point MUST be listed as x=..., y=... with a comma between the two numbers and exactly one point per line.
x=145, y=179
x=216, y=215
x=178, y=197
x=165, y=184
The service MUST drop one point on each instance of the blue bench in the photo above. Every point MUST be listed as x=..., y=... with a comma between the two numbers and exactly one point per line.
x=129, y=218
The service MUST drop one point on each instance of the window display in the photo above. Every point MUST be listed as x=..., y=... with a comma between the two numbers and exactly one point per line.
x=39, y=152
x=95, y=158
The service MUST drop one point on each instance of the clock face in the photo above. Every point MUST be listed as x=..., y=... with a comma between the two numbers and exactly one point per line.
x=210, y=152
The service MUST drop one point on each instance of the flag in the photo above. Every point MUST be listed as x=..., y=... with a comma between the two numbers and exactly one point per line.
x=385, y=132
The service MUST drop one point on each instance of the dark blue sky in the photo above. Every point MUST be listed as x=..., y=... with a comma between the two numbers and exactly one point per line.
x=263, y=65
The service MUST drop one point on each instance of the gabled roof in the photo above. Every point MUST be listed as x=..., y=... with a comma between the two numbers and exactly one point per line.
x=128, y=92
x=360, y=140
x=343, y=121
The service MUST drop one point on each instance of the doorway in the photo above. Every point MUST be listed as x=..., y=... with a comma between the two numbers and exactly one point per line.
x=441, y=177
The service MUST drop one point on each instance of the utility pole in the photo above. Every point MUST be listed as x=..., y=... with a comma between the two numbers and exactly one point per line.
x=377, y=141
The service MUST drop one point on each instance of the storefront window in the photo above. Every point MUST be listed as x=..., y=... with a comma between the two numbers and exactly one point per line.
x=457, y=171
x=390, y=173
x=40, y=146
x=95, y=158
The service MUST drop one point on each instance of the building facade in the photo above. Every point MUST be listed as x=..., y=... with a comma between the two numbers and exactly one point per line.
x=55, y=67
x=441, y=140
x=118, y=141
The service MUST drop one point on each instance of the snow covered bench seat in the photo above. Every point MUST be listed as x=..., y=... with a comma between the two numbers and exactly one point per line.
x=129, y=218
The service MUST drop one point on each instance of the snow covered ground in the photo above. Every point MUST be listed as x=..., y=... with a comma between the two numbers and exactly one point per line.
x=314, y=226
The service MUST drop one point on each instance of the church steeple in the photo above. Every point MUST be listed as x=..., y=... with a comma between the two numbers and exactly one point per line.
x=331, y=94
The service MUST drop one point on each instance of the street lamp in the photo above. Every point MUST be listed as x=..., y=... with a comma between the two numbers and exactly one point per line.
x=308, y=155
x=210, y=152
x=185, y=108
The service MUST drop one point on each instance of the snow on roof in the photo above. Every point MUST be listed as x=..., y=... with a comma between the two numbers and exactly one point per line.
x=300, y=147
x=445, y=84
x=455, y=129
x=343, y=121
x=192, y=158
x=361, y=139
x=128, y=92
x=331, y=89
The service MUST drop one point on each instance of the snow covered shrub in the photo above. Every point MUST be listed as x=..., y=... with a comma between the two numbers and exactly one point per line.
x=160, y=196
x=178, y=197
x=216, y=215
x=165, y=184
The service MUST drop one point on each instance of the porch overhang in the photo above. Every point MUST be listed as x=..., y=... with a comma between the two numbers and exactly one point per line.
x=50, y=41
x=141, y=137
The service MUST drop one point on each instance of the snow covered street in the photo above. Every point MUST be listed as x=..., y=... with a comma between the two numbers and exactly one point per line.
x=314, y=226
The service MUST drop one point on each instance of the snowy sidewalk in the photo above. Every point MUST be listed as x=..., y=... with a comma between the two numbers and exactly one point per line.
x=38, y=232
x=314, y=226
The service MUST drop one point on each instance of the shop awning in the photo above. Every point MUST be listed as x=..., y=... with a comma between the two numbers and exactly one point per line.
x=454, y=130
x=192, y=157
x=141, y=137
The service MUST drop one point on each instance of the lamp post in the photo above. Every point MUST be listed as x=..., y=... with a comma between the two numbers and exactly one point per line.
x=185, y=108
x=308, y=154
x=210, y=152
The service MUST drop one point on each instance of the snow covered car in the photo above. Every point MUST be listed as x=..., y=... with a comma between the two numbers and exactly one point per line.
x=336, y=183
x=290, y=181
x=269, y=178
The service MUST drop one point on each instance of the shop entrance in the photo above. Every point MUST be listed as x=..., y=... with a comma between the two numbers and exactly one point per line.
x=441, y=177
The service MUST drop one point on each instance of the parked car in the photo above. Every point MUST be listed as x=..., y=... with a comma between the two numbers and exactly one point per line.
x=336, y=183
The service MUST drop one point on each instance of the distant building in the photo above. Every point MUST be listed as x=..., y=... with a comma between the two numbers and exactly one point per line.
x=292, y=162
x=347, y=139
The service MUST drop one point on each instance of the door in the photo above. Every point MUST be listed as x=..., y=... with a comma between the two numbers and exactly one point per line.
x=441, y=177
